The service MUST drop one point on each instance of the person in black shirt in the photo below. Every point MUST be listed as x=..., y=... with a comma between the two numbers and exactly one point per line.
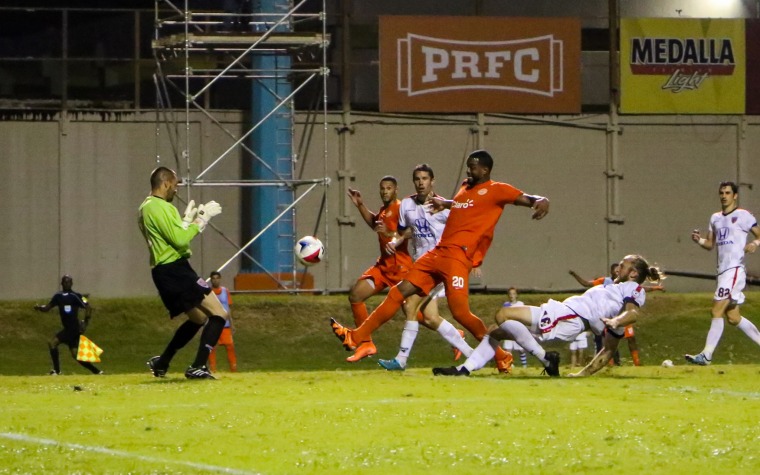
x=68, y=303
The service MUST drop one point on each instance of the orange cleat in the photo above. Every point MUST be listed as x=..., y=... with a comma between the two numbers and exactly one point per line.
x=457, y=353
x=504, y=365
x=343, y=334
x=364, y=350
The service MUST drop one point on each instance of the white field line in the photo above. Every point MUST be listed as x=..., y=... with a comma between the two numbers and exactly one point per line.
x=121, y=453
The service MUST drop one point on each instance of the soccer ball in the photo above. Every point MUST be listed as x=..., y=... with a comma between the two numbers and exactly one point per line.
x=667, y=364
x=309, y=250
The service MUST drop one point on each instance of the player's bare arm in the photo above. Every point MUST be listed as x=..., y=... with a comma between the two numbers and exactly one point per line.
x=356, y=198
x=601, y=359
x=42, y=308
x=540, y=204
x=397, y=239
x=581, y=280
x=438, y=204
x=629, y=316
x=705, y=243
x=752, y=246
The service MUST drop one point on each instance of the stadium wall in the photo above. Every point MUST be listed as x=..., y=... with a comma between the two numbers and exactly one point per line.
x=72, y=189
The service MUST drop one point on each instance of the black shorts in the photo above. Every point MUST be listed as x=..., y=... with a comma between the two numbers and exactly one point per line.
x=179, y=286
x=69, y=337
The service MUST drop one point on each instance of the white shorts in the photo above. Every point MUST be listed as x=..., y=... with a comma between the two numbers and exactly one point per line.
x=580, y=342
x=730, y=284
x=555, y=321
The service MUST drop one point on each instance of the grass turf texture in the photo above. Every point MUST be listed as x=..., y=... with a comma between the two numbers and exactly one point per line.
x=298, y=407
x=645, y=420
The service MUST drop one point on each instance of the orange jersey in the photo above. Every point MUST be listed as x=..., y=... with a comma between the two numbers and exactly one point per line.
x=474, y=215
x=388, y=215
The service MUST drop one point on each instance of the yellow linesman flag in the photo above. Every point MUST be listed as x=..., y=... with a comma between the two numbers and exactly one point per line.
x=88, y=351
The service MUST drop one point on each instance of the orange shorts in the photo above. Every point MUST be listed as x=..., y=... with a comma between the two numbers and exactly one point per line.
x=629, y=333
x=225, y=338
x=448, y=265
x=384, y=277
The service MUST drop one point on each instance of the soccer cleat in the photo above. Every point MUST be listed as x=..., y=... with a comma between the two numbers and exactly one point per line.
x=699, y=359
x=391, y=365
x=158, y=370
x=504, y=365
x=451, y=371
x=364, y=350
x=343, y=334
x=198, y=373
x=553, y=369
x=54, y=372
x=457, y=352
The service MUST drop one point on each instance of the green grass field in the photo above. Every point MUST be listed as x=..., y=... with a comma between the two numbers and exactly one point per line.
x=298, y=407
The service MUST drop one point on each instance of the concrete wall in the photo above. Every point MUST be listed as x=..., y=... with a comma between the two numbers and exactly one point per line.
x=72, y=188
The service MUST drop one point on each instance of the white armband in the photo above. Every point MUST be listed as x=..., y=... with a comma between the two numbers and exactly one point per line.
x=702, y=241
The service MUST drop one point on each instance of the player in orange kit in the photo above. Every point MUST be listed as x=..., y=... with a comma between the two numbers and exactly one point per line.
x=389, y=269
x=475, y=210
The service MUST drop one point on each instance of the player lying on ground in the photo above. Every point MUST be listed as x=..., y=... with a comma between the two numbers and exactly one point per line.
x=598, y=309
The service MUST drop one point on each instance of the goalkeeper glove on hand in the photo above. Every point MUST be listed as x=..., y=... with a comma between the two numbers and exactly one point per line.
x=206, y=212
x=190, y=212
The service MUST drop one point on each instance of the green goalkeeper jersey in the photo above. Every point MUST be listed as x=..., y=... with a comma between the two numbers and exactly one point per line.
x=168, y=237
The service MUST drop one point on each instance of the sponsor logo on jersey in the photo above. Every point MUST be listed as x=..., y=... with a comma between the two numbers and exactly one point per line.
x=687, y=62
x=463, y=205
x=483, y=191
x=423, y=228
x=722, y=237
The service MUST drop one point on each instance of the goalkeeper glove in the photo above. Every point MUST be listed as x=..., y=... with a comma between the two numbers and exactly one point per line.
x=206, y=212
x=190, y=213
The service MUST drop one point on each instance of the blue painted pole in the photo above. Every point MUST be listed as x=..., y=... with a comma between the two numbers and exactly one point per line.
x=272, y=141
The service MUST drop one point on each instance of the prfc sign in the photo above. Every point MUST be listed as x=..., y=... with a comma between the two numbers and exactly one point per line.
x=473, y=64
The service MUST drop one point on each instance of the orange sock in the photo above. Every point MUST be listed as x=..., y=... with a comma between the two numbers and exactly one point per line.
x=635, y=356
x=360, y=313
x=232, y=357
x=460, y=309
x=384, y=312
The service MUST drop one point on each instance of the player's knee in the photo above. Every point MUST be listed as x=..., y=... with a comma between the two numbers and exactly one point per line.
x=431, y=321
x=734, y=319
x=503, y=315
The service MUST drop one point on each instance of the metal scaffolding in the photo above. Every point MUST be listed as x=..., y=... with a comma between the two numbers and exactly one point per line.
x=195, y=50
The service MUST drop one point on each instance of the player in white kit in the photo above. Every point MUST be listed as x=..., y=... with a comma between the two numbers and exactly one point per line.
x=601, y=309
x=424, y=229
x=728, y=232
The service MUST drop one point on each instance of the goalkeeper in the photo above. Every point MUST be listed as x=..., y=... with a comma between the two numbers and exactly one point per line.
x=182, y=291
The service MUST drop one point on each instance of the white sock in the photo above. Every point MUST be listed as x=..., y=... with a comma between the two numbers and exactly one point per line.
x=482, y=354
x=523, y=337
x=411, y=328
x=450, y=333
x=713, y=337
x=749, y=329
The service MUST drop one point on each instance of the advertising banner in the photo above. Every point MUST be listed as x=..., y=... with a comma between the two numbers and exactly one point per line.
x=479, y=64
x=753, y=66
x=682, y=66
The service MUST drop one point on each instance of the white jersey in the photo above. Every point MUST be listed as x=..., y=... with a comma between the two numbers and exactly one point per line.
x=427, y=228
x=605, y=301
x=730, y=233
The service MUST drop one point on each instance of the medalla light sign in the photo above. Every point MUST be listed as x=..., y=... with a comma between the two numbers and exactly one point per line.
x=682, y=66
x=479, y=64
